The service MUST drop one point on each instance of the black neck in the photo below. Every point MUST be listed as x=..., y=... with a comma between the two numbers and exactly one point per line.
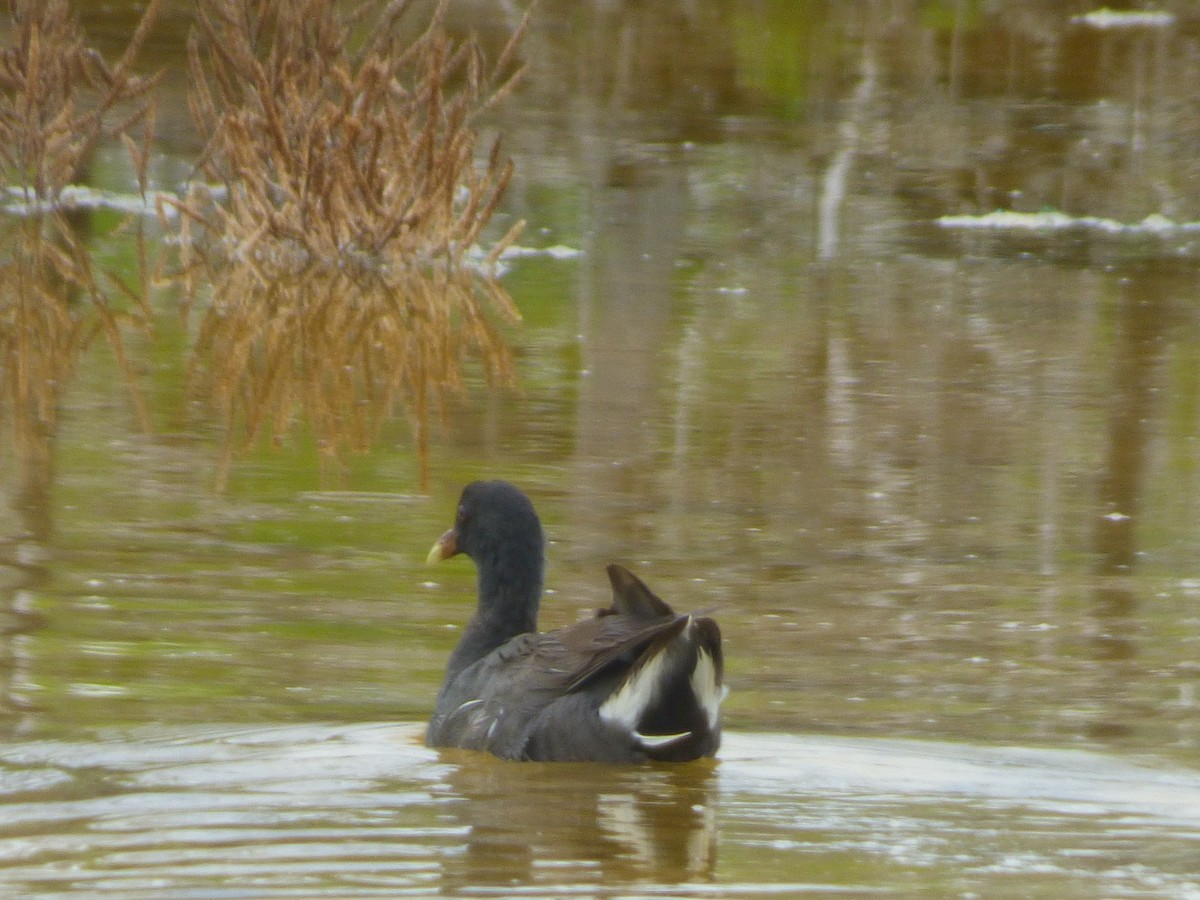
x=509, y=589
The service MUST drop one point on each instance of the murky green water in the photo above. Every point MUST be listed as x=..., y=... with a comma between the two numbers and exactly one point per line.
x=939, y=481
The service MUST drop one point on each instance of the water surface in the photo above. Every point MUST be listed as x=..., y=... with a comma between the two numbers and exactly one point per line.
x=938, y=477
x=365, y=810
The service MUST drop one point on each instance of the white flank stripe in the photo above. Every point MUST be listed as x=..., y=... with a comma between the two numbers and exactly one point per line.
x=704, y=685
x=627, y=705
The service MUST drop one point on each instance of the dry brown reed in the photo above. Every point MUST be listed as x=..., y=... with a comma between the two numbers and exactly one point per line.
x=343, y=195
x=58, y=100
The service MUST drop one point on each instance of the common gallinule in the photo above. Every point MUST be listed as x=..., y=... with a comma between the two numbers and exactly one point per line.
x=635, y=682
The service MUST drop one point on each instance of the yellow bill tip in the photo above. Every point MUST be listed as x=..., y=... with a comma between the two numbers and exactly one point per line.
x=444, y=548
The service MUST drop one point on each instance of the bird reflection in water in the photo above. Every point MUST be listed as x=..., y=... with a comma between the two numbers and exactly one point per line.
x=554, y=824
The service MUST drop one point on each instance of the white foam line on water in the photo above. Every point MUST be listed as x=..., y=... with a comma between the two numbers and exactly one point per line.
x=79, y=196
x=1124, y=18
x=1154, y=225
x=685, y=889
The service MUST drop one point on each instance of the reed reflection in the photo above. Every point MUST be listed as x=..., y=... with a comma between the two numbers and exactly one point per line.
x=340, y=352
x=547, y=824
x=1144, y=296
x=46, y=322
x=58, y=100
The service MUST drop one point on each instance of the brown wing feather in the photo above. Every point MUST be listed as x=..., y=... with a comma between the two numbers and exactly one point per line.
x=565, y=660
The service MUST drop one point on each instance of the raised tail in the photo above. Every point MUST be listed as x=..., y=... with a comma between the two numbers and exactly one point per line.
x=670, y=700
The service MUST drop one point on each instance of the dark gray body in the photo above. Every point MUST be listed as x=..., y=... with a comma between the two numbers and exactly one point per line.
x=636, y=682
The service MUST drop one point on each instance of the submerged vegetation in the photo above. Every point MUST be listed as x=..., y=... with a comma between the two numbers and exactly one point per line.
x=328, y=241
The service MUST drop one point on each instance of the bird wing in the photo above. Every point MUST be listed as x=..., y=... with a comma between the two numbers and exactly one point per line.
x=513, y=684
x=568, y=659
